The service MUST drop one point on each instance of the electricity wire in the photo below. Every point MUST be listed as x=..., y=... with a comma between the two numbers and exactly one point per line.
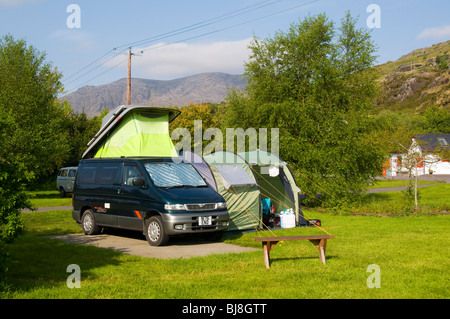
x=184, y=30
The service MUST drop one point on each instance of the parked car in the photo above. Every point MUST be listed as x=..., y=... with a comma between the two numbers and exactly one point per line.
x=66, y=180
x=159, y=197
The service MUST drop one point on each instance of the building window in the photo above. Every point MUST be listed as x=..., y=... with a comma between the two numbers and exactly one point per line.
x=442, y=141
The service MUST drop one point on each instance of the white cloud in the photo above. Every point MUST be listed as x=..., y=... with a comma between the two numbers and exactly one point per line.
x=13, y=3
x=436, y=33
x=74, y=39
x=162, y=61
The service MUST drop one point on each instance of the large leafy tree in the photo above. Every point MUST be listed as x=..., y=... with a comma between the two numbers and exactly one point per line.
x=80, y=130
x=32, y=140
x=315, y=83
x=31, y=116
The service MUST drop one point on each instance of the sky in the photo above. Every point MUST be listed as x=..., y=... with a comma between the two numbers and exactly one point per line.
x=87, y=41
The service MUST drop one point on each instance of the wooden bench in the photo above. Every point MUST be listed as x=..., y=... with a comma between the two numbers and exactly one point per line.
x=269, y=242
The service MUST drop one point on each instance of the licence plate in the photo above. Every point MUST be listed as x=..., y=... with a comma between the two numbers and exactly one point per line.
x=205, y=221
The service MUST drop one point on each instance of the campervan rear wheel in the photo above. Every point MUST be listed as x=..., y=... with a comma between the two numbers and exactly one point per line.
x=154, y=231
x=88, y=223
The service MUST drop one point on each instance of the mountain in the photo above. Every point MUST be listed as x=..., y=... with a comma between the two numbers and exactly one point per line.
x=412, y=83
x=205, y=87
x=416, y=80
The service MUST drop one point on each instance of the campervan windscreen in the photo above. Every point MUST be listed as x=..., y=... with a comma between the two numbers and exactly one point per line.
x=174, y=175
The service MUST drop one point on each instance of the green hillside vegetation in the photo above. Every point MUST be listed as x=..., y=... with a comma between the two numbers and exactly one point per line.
x=416, y=80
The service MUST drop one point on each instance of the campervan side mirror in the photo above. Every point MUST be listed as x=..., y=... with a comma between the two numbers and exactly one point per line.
x=139, y=182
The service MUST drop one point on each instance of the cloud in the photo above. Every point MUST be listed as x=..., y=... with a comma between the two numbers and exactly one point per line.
x=169, y=61
x=14, y=3
x=74, y=38
x=436, y=33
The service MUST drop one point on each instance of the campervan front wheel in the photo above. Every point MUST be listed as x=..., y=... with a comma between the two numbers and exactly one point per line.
x=154, y=231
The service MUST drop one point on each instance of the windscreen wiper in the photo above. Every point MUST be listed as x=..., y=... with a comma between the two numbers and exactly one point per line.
x=185, y=186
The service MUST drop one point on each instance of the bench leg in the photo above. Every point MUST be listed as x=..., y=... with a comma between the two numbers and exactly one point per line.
x=267, y=246
x=321, y=244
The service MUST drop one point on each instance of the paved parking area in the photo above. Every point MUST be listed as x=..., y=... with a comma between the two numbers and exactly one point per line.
x=140, y=247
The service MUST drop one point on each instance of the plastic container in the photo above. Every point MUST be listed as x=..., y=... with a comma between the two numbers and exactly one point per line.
x=287, y=218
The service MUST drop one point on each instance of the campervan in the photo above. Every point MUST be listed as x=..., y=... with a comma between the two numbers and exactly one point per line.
x=130, y=177
x=65, y=180
x=159, y=197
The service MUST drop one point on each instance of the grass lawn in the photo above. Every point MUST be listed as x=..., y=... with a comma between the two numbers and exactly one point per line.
x=432, y=199
x=411, y=252
x=49, y=199
x=398, y=183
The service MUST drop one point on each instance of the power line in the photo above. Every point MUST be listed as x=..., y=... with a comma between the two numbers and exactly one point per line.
x=186, y=29
x=91, y=70
x=230, y=27
x=88, y=65
x=202, y=24
x=171, y=34
x=109, y=69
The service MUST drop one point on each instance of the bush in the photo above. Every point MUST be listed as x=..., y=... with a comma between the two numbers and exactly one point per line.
x=12, y=200
x=441, y=61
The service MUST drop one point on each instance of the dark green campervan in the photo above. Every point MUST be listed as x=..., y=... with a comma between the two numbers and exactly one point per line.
x=159, y=197
x=131, y=177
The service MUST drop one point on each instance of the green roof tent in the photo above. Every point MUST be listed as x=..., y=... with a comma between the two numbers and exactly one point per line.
x=275, y=181
x=237, y=185
x=134, y=131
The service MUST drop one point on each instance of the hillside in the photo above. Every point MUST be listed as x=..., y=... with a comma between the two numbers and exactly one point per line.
x=410, y=84
x=205, y=87
x=416, y=80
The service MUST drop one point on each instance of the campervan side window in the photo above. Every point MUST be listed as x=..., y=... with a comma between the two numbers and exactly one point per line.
x=107, y=173
x=130, y=172
x=72, y=173
x=87, y=173
x=174, y=175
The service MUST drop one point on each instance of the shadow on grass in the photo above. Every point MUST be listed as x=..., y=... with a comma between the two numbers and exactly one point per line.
x=280, y=260
x=184, y=239
x=44, y=195
x=39, y=263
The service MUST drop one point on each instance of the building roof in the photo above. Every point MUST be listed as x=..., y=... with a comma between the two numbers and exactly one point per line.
x=433, y=142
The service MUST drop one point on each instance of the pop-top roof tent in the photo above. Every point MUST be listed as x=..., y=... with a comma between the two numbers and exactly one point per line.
x=275, y=181
x=237, y=185
x=134, y=131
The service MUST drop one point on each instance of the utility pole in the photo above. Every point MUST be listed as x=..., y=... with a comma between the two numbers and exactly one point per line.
x=129, y=79
x=129, y=53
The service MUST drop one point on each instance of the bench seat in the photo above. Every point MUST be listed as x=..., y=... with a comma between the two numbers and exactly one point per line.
x=320, y=241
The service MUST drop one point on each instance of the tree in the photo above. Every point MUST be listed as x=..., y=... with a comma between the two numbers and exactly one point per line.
x=32, y=139
x=80, y=130
x=12, y=200
x=189, y=127
x=31, y=114
x=315, y=83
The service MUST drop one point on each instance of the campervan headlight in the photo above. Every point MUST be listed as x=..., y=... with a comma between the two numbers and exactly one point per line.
x=221, y=205
x=174, y=207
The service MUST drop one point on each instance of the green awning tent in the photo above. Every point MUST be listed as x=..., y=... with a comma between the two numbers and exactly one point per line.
x=237, y=185
x=275, y=181
x=134, y=131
